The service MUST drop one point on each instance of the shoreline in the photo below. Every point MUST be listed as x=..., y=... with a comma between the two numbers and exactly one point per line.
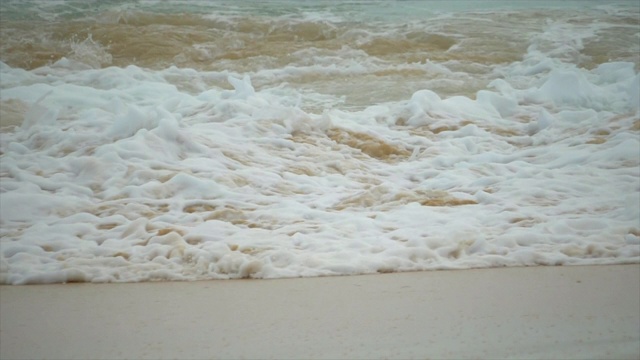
x=520, y=312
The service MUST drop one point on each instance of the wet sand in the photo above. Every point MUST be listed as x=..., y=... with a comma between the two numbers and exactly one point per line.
x=537, y=312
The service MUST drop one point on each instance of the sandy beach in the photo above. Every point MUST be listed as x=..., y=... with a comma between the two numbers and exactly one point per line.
x=566, y=312
x=213, y=179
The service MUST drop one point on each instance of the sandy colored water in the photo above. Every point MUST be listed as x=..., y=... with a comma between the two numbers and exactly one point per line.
x=571, y=312
x=192, y=140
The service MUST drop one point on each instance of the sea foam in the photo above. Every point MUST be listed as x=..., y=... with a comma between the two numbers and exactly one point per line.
x=343, y=156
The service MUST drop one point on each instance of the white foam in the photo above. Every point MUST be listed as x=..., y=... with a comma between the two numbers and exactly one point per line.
x=124, y=174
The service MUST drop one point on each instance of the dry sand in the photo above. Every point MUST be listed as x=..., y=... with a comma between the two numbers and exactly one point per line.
x=539, y=312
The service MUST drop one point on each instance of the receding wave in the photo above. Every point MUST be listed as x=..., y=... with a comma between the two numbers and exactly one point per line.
x=179, y=140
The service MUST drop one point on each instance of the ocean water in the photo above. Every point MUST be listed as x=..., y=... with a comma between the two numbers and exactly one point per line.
x=189, y=140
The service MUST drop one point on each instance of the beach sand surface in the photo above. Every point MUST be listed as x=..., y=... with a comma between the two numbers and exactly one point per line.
x=569, y=312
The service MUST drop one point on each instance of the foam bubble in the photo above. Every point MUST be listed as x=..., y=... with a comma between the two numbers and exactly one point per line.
x=307, y=143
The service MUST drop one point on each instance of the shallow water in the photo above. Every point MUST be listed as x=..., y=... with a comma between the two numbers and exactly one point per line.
x=188, y=140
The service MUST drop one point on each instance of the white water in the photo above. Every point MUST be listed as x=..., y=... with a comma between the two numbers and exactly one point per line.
x=303, y=140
